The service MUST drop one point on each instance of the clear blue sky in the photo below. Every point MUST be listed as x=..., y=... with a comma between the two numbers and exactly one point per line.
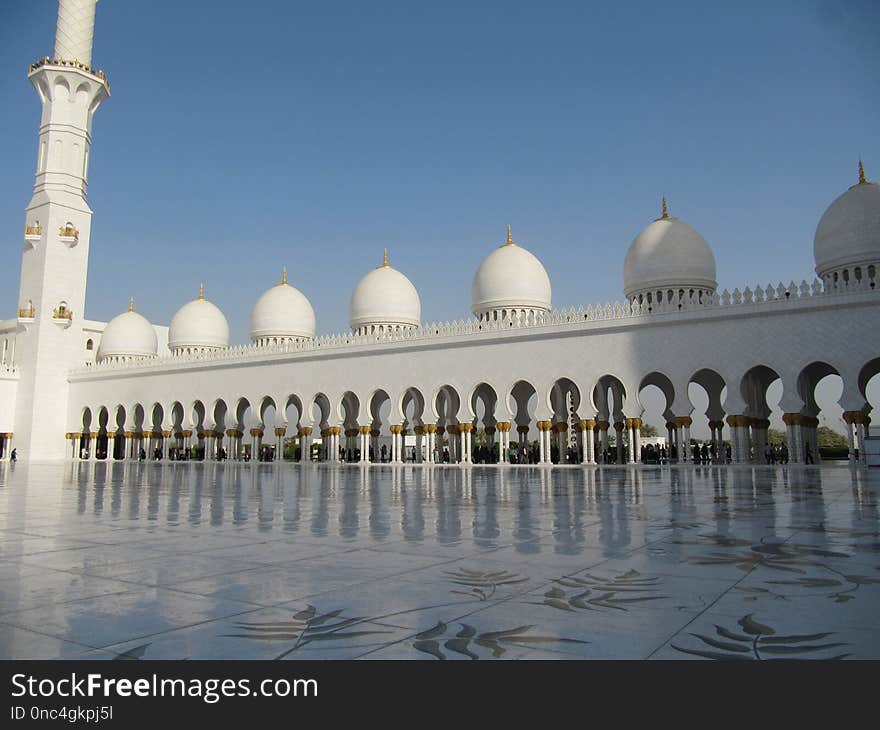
x=241, y=137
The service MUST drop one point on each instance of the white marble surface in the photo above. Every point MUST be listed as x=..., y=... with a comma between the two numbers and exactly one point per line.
x=191, y=560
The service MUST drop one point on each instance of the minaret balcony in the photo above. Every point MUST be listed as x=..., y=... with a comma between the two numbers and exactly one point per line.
x=68, y=235
x=62, y=316
x=46, y=61
x=26, y=315
x=33, y=234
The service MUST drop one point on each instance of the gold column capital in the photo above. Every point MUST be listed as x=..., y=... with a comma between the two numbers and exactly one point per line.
x=853, y=417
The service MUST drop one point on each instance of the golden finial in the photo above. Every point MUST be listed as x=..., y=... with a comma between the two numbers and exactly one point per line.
x=862, y=178
x=665, y=213
x=385, y=258
x=131, y=304
x=509, y=236
x=284, y=275
x=201, y=291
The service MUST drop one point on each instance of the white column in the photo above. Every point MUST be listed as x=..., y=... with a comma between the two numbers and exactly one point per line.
x=637, y=443
x=791, y=439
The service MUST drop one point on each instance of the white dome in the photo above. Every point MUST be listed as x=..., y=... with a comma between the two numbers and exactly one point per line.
x=198, y=325
x=282, y=312
x=512, y=278
x=849, y=232
x=668, y=254
x=128, y=335
x=384, y=298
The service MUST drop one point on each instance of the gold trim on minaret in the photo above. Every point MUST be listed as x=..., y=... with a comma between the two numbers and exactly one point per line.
x=131, y=304
x=862, y=178
x=665, y=211
x=201, y=291
x=509, y=236
x=385, y=258
x=283, y=274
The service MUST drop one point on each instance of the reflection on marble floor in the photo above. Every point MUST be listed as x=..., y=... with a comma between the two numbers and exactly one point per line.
x=189, y=560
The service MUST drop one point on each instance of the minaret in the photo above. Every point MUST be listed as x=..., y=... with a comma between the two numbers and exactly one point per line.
x=54, y=263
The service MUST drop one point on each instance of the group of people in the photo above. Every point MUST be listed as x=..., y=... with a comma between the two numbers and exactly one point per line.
x=778, y=454
x=705, y=453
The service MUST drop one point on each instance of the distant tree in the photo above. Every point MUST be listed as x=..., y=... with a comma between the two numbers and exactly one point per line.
x=480, y=438
x=829, y=439
x=648, y=431
x=775, y=437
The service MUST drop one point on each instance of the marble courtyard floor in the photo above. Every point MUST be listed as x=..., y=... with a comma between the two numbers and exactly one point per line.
x=262, y=561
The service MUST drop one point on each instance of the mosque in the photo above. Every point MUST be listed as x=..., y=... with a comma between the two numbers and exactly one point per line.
x=515, y=372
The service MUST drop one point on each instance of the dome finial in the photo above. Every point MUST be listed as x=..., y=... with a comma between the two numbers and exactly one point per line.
x=385, y=258
x=283, y=274
x=509, y=236
x=201, y=291
x=665, y=211
x=131, y=304
x=862, y=178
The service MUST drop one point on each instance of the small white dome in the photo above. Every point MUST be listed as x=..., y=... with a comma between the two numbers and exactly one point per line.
x=128, y=335
x=511, y=278
x=668, y=254
x=282, y=312
x=198, y=325
x=384, y=298
x=848, y=233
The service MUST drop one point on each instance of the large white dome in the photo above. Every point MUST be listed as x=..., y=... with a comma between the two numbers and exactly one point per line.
x=198, y=325
x=668, y=254
x=384, y=299
x=510, y=279
x=282, y=313
x=848, y=234
x=128, y=335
